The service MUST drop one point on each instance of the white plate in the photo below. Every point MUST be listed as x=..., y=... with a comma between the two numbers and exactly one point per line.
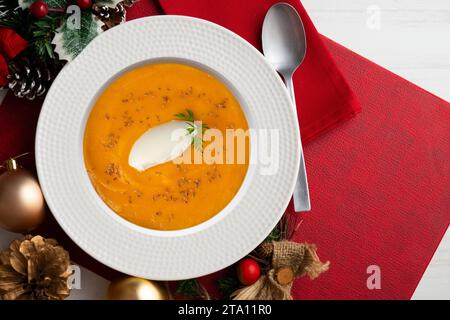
x=119, y=244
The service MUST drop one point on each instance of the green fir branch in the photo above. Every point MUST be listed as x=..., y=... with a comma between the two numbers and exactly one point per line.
x=227, y=286
x=43, y=32
x=274, y=235
x=187, y=288
x=38, y=32
x=192, y=288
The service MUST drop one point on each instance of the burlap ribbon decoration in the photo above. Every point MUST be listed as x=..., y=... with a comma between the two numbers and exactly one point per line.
x=290, y=260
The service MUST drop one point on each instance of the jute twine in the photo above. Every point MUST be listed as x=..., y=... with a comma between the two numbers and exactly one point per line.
x=288, y=258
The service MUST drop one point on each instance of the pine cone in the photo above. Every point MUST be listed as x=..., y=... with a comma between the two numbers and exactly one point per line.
x=112, y=16
x=265, y=250
x=29, y=79
x=129, y=3
x=34, y=268
x=109, y=16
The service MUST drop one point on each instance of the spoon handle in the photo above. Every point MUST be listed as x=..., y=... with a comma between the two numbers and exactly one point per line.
x=301, y=191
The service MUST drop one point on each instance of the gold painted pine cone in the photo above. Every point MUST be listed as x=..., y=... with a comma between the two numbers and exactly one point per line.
x=34, y=268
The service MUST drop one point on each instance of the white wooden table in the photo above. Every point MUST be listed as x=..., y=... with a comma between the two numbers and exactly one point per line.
x=408, y=37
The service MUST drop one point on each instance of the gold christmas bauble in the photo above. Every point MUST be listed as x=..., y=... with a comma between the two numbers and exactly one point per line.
x=21, y=200
x=132, y=288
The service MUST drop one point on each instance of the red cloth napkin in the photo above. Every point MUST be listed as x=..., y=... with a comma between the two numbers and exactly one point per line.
x=379, y=183
x=380, y=187
x=323, y=96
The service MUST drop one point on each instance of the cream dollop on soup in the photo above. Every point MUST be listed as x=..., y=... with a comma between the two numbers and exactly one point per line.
x=129, y=149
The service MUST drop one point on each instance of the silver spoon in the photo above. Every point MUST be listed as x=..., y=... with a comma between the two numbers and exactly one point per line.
x=284, y=46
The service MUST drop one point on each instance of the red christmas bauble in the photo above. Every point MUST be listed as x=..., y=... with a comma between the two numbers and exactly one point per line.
x=84, y=4
x=248, y=271
x=38, y=9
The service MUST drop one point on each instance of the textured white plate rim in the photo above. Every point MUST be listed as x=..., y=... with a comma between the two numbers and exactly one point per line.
x=169, y=267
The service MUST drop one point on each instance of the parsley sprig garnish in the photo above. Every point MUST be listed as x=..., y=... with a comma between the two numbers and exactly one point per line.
x=195, y=130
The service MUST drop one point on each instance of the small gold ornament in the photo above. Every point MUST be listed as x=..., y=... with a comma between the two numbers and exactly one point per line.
x=21, y=199
x=34, y=268
x=133, y=288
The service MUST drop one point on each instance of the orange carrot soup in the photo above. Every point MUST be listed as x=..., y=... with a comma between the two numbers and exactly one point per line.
x=170, y=195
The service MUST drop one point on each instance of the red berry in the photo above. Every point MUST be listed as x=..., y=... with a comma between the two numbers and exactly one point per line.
x=38, y=9
x=84, y=4
x=248, y=271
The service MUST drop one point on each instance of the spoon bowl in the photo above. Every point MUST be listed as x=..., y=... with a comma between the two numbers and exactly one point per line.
x=284, y=38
